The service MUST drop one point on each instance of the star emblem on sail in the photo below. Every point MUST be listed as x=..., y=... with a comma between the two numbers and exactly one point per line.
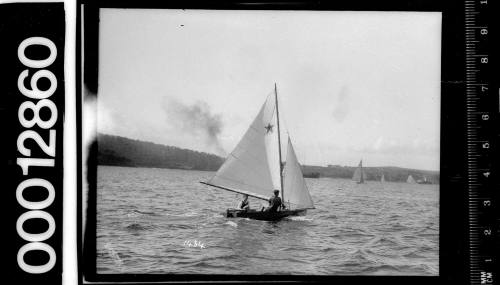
x=269, y=128
x=253, y=167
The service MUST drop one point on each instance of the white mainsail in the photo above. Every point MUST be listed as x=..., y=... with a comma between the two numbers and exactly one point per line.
x=253, y=166
x=382, y=179
x=296, y=193
x=410, y=179
x=359, y=175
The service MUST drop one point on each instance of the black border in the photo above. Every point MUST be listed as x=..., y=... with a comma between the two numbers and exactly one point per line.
x=453, y=258
x=18, y=22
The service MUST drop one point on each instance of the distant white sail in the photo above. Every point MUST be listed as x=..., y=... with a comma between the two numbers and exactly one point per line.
x=359, y=175
x=410, y=179
x=253, y=166
x=296, y=192
x=382, y=179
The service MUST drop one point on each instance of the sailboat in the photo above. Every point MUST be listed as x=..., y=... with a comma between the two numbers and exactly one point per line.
x=255, y=168
x=382, y=179
x=359, y=175
x=424, y=181
x=410, y=179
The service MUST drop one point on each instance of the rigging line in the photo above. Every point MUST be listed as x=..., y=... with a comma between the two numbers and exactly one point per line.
x=279, y=142
x=242, y=183
x=284, y=122
x=232, y=190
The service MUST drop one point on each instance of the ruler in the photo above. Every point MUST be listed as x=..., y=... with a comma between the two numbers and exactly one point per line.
x=480, y=131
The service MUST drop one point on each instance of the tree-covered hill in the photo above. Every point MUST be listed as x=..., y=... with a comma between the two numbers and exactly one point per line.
x=121, y=151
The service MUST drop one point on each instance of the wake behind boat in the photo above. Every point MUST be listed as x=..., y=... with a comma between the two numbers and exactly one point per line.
x=255, y=168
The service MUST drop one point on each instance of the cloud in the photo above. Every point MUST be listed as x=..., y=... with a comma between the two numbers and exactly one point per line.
x=392, y=146
x=196, y=119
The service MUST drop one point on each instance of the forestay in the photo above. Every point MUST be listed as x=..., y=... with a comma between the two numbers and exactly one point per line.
x=296, y=192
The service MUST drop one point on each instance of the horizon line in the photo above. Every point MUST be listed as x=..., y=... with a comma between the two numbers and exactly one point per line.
x=326, y=166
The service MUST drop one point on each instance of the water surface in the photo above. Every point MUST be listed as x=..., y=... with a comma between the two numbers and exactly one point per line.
x=163, y=221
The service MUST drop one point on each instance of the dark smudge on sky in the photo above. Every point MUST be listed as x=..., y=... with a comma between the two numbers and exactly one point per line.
x=195, y=119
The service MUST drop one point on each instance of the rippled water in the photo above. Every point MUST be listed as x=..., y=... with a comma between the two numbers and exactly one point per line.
x=163, y=221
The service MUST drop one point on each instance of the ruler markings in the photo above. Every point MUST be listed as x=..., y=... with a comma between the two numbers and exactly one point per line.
x=473, y=142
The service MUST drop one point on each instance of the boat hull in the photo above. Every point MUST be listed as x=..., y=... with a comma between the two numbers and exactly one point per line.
x=264, y=215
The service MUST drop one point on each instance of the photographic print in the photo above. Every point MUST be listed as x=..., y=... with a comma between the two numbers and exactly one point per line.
x=268, y=142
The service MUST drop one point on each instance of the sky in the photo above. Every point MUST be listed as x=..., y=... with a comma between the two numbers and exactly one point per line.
x=351, y=85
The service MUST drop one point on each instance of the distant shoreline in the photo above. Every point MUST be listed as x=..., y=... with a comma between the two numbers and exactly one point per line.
x=213, y=171
x=121, y=151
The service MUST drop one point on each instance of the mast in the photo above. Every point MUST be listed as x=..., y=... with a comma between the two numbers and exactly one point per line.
x=361, y=179
x=279, y=143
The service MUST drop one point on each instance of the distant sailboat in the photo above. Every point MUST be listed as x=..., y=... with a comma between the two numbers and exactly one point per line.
x=424, y=181
x=359, y=175
x=410, y=180
x=382, y=179
x=255, y=168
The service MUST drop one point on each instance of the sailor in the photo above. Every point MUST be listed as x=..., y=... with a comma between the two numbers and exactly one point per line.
x=244, y=204
x=275, y=202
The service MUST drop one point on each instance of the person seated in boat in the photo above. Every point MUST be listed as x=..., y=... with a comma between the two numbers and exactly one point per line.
x=244, y=204
x=274, y=202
